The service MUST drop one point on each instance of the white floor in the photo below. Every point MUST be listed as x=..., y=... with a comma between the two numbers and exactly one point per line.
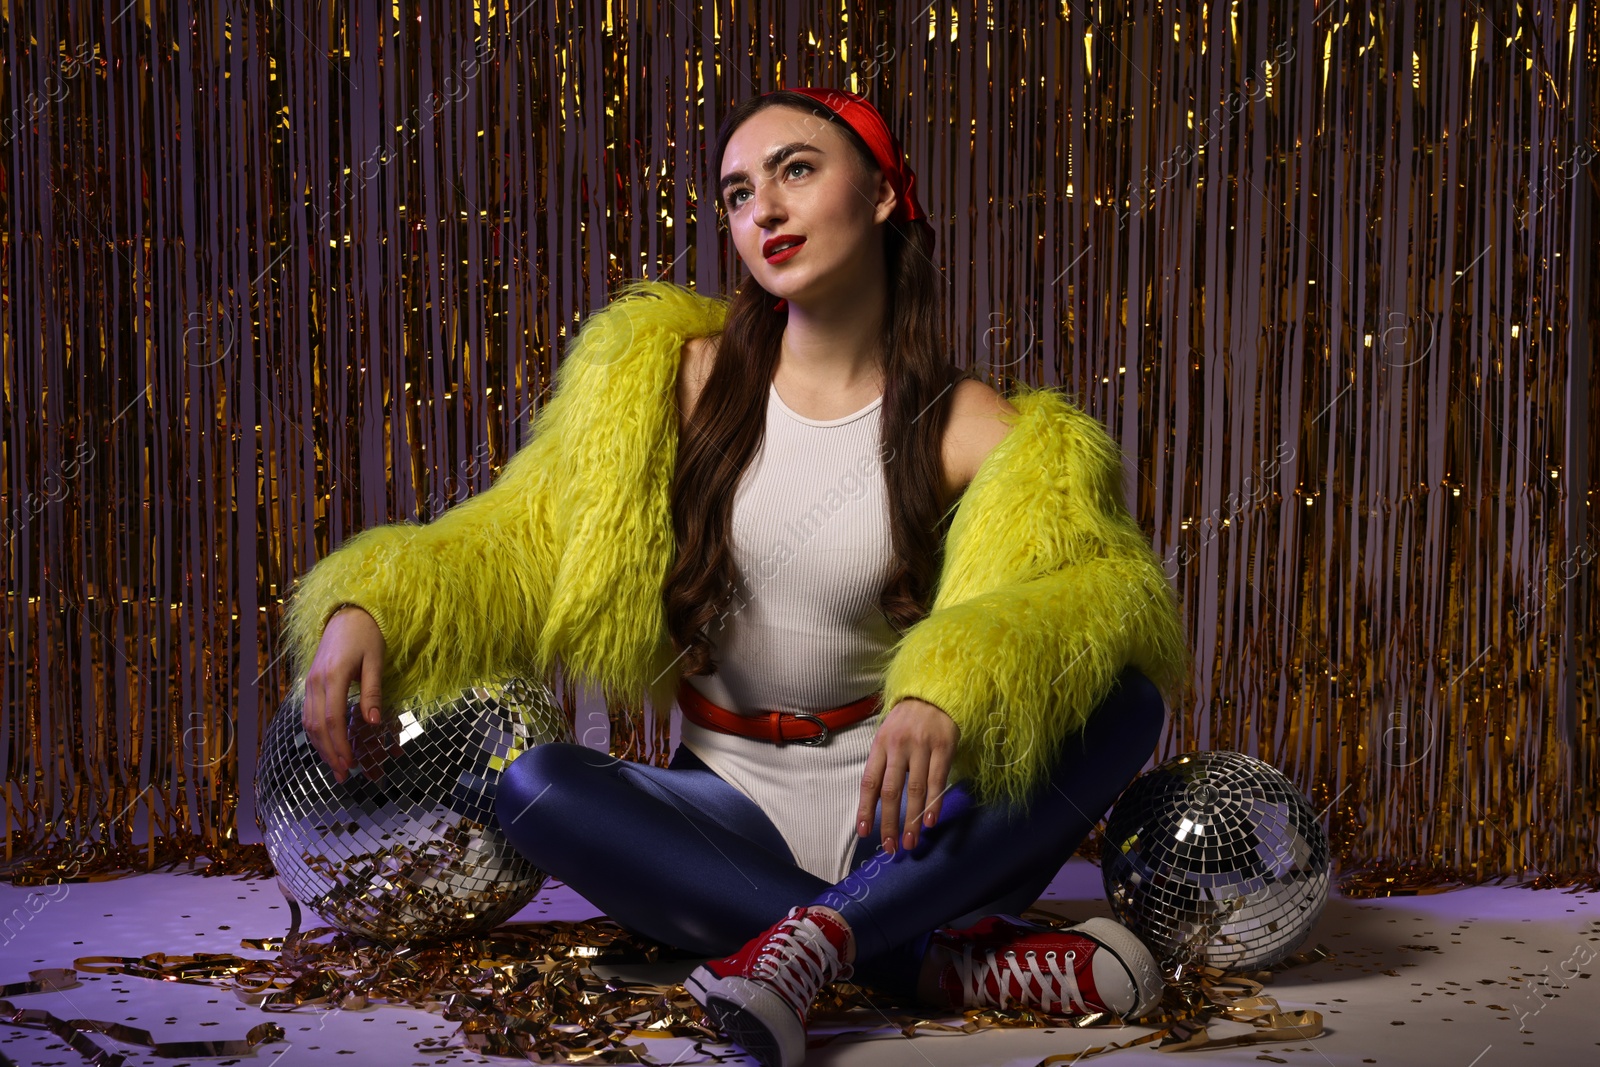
x=1472, y=978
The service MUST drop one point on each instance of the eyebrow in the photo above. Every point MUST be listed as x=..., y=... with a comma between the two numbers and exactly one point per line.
x=776, y=156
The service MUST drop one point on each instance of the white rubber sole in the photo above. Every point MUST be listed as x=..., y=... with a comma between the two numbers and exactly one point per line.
x=1133, y=958
x=751, y=1015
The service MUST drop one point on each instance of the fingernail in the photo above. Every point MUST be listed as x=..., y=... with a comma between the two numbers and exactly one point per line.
x=861, y=828
x=911, y=842
x=927, y=820
x=888, y=844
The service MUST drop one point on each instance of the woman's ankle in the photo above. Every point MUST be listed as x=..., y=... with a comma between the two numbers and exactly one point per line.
x=930, y=984
x=849, y=955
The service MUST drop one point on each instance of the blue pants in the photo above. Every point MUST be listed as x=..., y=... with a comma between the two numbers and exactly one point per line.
x=679, y=855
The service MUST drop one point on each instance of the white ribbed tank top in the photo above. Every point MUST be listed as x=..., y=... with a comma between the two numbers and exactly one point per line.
x=813, y=551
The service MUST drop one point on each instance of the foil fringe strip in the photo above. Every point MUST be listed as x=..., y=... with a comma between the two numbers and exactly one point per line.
x=1334, y=296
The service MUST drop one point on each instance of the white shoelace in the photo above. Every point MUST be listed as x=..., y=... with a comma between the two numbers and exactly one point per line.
x=796, y=961
x=1063, y=991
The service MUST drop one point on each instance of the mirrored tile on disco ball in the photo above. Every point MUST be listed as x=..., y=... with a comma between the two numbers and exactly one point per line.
x=1215, y=857
x=407, y=846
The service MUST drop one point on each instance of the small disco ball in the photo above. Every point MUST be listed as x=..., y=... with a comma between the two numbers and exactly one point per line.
x=407, y=847
x=1215, y=858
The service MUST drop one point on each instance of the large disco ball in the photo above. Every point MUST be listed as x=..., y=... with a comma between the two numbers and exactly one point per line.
x=407, y=847
x=1215, y=858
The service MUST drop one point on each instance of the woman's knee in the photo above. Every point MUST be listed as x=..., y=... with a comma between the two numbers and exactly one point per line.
x=1128, y=720
x=1143, y=706
x=1120, y=733
x=535, y=775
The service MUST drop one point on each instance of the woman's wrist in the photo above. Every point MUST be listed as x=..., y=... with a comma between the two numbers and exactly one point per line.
x=341, y=608
x=370, y=612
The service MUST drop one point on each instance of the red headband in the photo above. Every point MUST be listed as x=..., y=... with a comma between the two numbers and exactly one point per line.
x=859, y=114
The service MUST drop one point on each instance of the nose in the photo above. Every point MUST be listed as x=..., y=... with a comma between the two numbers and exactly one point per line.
x=766, y=206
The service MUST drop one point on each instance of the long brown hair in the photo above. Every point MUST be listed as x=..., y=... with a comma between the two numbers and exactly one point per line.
x=730, y=420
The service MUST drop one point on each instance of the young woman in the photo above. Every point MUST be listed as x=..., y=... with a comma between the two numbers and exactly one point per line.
x=826, y=440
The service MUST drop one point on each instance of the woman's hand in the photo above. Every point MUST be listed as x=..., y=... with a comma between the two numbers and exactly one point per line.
x=913, y=748
x=351, y=651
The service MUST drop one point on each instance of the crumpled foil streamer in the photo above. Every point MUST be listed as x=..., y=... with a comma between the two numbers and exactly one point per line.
x=525, y=989
x=1324, y=271
x=528, y=990
x=75, y=1032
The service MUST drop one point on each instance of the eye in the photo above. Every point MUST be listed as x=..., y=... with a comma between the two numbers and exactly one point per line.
x=733, y=197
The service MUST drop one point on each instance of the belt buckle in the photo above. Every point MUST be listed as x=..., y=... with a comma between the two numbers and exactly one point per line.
x=817, y=740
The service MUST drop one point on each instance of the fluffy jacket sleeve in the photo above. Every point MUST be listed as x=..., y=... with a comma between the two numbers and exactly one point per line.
x=548, y=562
x=1048, y=590
x=457, y=599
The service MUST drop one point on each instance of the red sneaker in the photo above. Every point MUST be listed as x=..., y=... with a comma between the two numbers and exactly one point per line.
x=759, y=996
x=1002, y=961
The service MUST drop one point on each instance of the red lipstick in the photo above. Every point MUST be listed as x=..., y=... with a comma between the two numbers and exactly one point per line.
x=789, y=239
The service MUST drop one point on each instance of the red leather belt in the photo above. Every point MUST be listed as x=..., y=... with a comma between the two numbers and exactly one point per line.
x=777, y=727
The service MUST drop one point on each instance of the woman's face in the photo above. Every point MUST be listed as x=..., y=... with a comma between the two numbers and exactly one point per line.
x=788, y=172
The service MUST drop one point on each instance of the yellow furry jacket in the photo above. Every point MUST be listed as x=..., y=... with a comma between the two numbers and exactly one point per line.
x=1048, y=588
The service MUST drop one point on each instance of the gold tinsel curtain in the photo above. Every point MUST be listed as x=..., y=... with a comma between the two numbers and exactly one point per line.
x=274, y=273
